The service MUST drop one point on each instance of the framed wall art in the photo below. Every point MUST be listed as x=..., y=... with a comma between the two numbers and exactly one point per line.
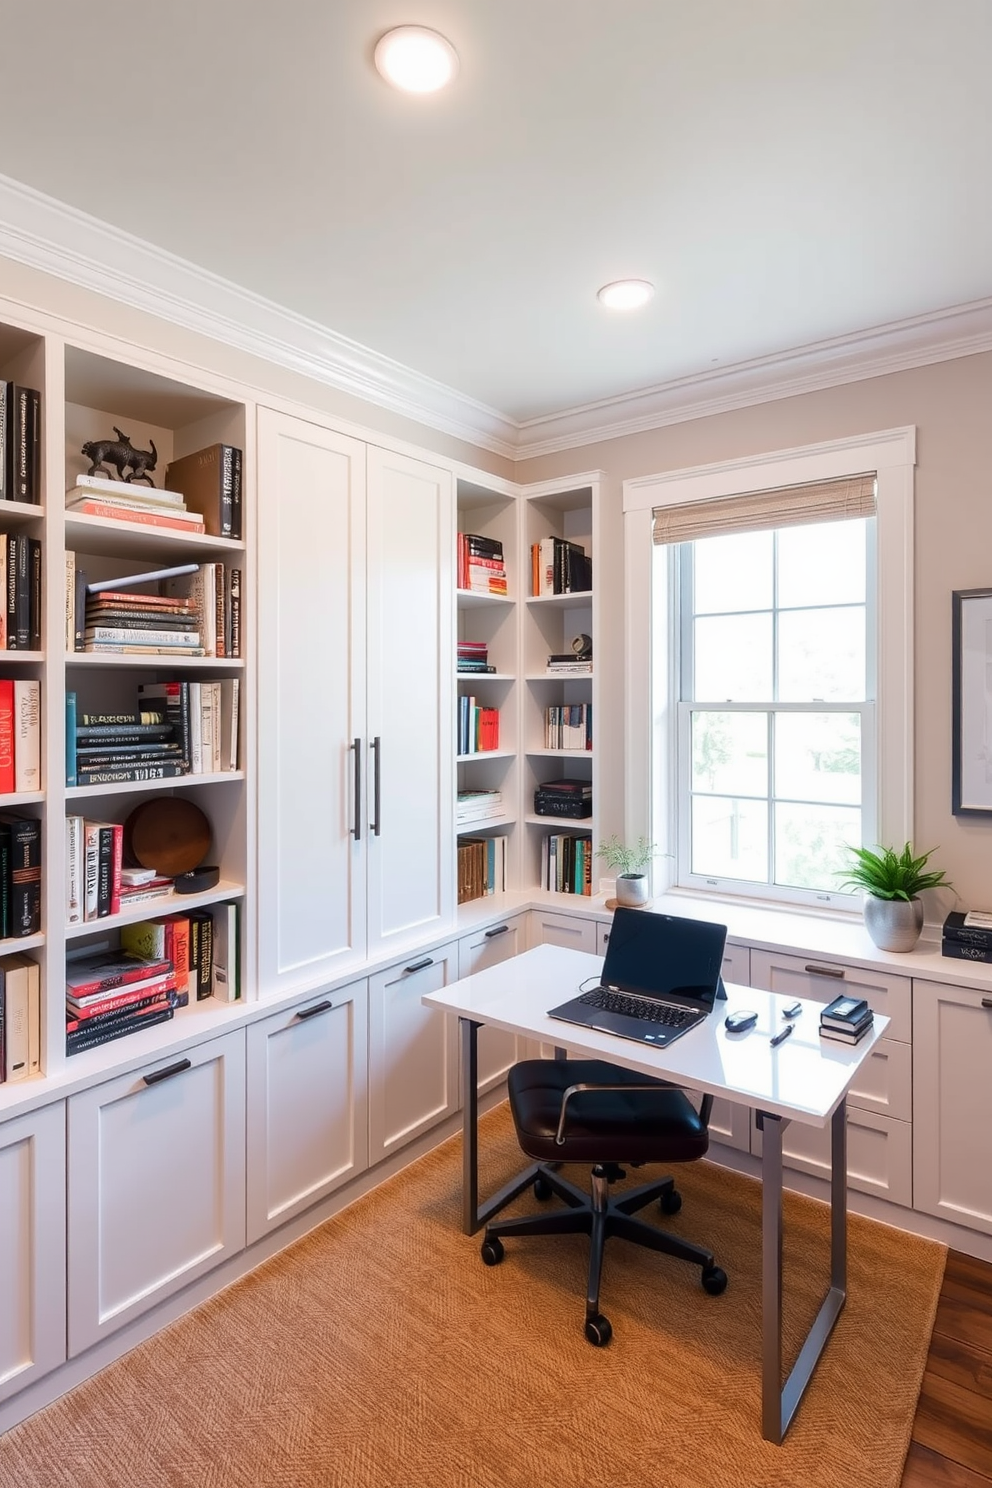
x=971, y=789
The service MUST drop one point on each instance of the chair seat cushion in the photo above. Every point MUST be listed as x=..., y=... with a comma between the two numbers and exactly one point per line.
x=655, y=1125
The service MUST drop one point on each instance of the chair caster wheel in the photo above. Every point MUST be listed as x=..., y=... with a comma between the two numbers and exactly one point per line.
x=598, y=1330
x=492, y=1251
x=714, y=1280
x=671, y=1202
x=542, y=1188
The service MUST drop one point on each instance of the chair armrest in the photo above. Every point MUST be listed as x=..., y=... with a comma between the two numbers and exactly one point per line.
x=578, y=1089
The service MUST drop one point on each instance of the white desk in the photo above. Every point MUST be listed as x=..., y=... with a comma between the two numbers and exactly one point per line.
x=804, y=1079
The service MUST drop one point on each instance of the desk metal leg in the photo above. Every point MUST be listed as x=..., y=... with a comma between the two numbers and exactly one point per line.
x=778, y=1400
x=474, y=1215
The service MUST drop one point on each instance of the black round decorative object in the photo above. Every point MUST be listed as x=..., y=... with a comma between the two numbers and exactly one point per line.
x=122, y=455
x=197, y=880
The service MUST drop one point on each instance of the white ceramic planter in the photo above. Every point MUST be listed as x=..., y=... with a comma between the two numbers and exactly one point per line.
x=893, y=924
x=632, y=890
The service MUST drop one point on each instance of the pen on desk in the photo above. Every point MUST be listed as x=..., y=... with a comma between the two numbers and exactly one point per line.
x=780, y=1037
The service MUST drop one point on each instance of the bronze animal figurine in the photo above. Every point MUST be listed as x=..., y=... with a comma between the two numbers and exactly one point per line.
x=121, y=454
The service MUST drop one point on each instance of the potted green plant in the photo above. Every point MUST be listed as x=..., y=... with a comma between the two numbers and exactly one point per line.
x=628, y=863
x=892, y=882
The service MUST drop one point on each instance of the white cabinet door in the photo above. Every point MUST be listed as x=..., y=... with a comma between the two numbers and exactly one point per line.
x=32, y=1247
x=497, y=1050
x=156, y=1164
x=413, y=1052
x=411, y=720
x=547, y=927
x=952, y=1103
x=879, y=1153
x=307, y=1104
x=311, y=701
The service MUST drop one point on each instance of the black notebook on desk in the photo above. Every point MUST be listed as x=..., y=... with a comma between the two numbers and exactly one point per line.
x=661, y=977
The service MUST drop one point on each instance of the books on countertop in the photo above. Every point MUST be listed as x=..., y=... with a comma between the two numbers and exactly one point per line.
x=846, y=1020
x=967, y=935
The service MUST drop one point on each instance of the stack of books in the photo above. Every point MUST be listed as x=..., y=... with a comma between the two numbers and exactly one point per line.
x=481, y=867
x=111, y=994
x=20, y=443
x=566, y=663
x=20, y=616
x=559, y=567
x=473, y=656
x=125, y=622
x=120, y=501
x=477, y=806
x=566, y=863
x=572, y=798
x=846, y=1020
x=480, y=564
x=967, y=935
x=568, y=726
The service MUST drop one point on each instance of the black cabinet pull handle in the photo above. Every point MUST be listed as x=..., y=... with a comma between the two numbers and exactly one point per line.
x=987, y=1002
x=319, y=1007
x=168, y=1072
x=497, y=930
x=834, y=971
x=419, y=965
x=376, y=747
x=357, y=828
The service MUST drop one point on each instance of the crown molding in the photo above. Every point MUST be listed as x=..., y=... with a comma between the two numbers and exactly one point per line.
x=942, y=335
x=58, y=239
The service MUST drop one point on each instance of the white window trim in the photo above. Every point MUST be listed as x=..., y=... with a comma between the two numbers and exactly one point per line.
x=891, y=453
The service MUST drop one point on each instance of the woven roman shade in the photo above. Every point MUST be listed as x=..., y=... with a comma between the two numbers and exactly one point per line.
x=824, y=501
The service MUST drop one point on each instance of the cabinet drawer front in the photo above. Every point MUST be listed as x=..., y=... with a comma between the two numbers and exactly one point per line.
x=497, y=1049
x=822, y=980
x=307, y=1105
x=156, y=1184
x=413, y=1052
x=884, y=1083
x=879, y=1153
x=548, y=928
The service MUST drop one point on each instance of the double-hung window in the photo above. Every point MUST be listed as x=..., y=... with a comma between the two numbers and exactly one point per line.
x=775, y=706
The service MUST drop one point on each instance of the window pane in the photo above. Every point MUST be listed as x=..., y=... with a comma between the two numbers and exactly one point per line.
x=730, y=838
x=733, y=573
x=821, y=655
x=810, y=845
x=818, y=757
x=823, y=564
x=730, y=753
x=733, y=656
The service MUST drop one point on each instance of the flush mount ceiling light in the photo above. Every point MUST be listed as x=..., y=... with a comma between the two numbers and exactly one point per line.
x=625, y=294
x=416, y=59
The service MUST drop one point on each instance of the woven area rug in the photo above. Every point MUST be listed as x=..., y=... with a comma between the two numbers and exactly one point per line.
x=379, y=1352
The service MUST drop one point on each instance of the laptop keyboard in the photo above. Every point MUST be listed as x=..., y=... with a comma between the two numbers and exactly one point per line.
x=646, y=1009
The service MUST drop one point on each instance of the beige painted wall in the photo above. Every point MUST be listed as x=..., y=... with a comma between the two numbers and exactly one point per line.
x=951, y=405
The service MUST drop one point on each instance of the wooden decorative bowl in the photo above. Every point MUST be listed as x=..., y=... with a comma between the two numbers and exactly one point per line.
x=168, y=834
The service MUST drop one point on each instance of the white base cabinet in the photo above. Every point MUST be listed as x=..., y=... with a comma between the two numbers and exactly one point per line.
x=307, y=1105
x=497, y=1050
x=32, y=1247
x=953, y=1103
x=730, y=1123
x=413, y=1052
x=156, y=1164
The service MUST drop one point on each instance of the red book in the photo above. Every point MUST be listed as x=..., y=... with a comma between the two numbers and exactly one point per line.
x=136, y=1002
x=106, y=971
x=6, y=734
x=116, y=864
x=92, y=508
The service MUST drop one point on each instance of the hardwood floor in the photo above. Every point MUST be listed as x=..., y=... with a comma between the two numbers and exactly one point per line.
x=951, y=1445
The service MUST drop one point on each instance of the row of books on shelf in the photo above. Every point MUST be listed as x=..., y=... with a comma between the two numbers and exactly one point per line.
x=473, y=656
x=162, y=965
x=176, y=728
x=479, y=564
x=477, y=805
x=211, y=478
x=568, y=726
x=478, y=727
x=20, y=734
x=20, y=443
x=566, y=863
x=20, y=875
x=967, y=935
x=572, y=798
x=481, y=867
x=559, y=567
x=20, y=616
x=192, y=609
x=20, y=1018
x=97, y=883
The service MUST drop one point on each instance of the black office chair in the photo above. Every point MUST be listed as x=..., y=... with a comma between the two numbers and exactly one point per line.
x=588, y=1111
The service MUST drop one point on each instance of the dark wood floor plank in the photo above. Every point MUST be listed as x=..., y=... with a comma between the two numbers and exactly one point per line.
x=927, y=1469
x=964, y=1365
x=955, y=1422
x=969, y=1271
x=958, y=1319
x=980, y=1298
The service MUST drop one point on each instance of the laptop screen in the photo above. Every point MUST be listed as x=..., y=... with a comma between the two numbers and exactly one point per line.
x=664, y=955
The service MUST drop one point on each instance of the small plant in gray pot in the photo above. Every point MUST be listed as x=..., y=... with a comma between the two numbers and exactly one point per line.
x=892, y=882
x=629, y=864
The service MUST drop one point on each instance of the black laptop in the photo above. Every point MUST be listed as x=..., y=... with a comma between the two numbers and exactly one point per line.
x=661, y=977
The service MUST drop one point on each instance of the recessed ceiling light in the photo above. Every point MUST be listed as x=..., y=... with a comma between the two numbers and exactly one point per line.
x=625, y=294
x=416, y=59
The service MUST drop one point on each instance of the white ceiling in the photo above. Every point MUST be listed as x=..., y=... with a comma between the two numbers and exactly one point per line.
x=785, y=171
